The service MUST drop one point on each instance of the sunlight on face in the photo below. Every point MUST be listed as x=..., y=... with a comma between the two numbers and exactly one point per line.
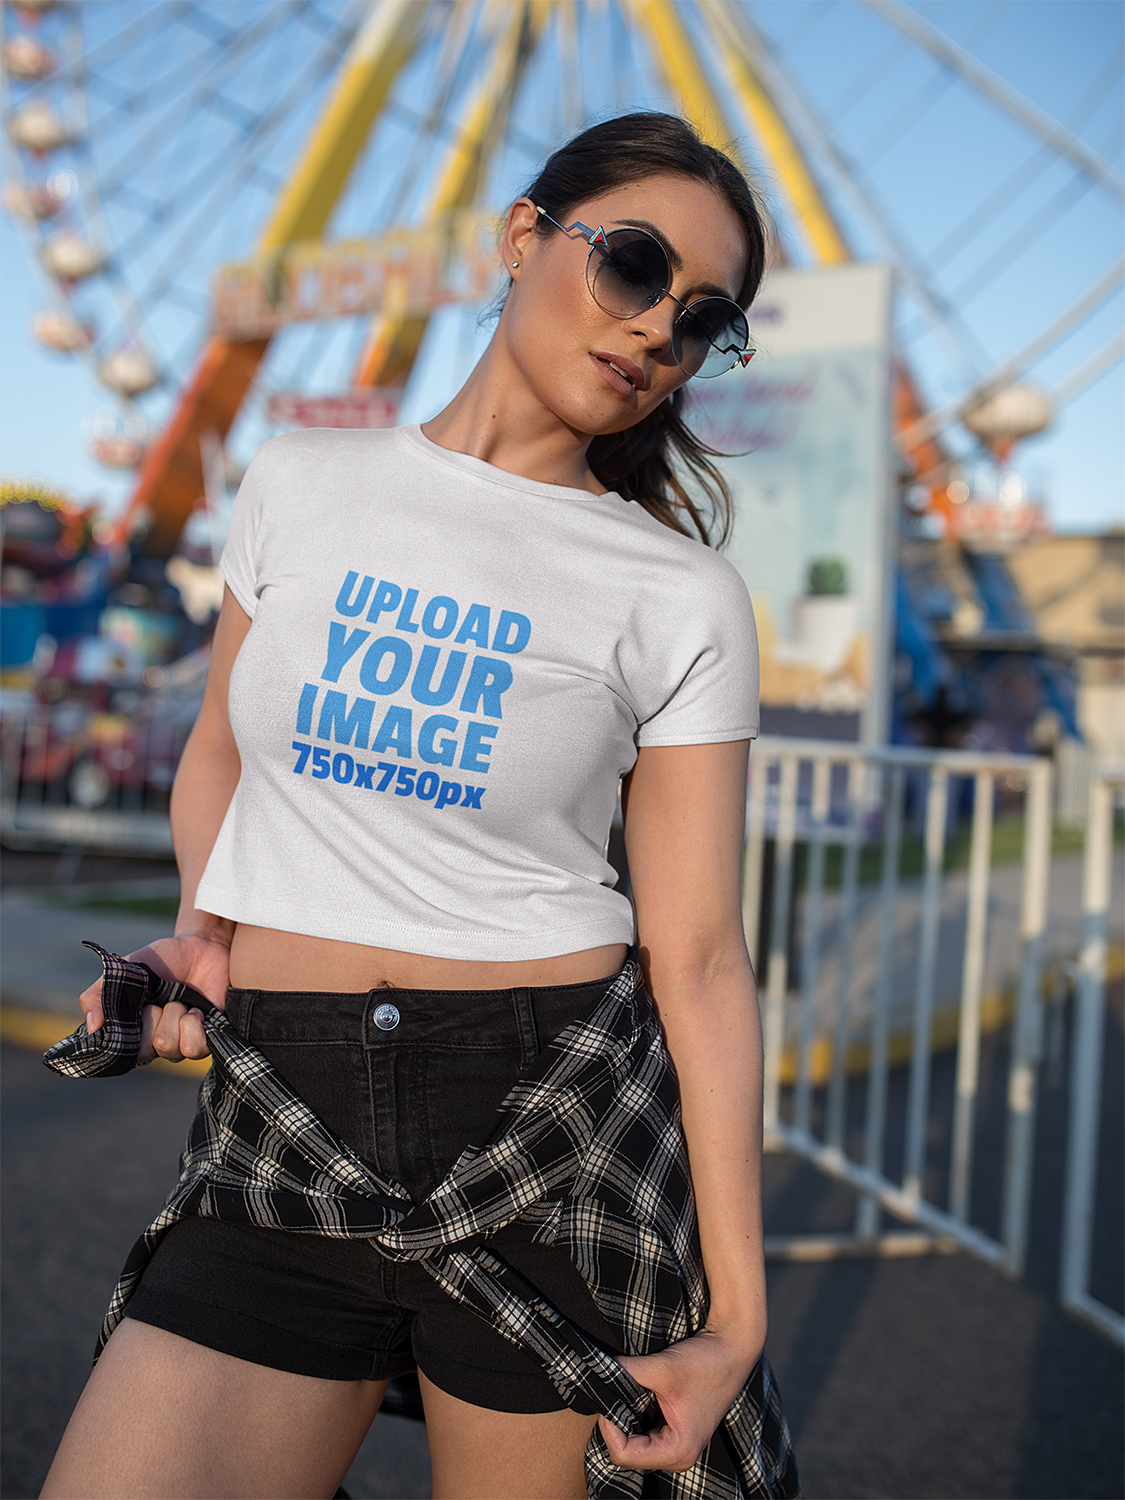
x=566, y=347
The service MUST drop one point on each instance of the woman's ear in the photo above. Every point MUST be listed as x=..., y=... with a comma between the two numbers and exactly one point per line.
x=519, y=230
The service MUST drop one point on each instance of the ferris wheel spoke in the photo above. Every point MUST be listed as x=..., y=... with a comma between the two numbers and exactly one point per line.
x=1032, y=169
x=238, y=171
x=944, y=79
x=162, y=129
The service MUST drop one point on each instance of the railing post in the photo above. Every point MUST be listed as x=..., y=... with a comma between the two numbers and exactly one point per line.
x=937, y=803
x=777, y=975
x=1086, y=1069
x=837, y=1088
x=810, y=947
x=1027, y=1023
x=867, y=1210
x=972, y=988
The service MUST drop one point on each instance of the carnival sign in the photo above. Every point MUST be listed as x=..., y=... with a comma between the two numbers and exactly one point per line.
x=405, y=273
x=808, y=430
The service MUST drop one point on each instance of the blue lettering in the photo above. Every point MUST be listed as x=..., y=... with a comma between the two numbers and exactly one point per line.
x=302, y=756
x=475, y=752
x=388, y=769
x=305, y=708
x=488, y=679
x=422, y=689
x=472, y=797
x=449, y=795
x=363, y=775
x=447, y=607
x=512, y=633
x=321, y=766
x=404, y=621
x=394, y=732
x=345, y=604
x=388, y=596
x=342, y=646
x=373, y=660
x=427, y=786
x=441, y=753
x=342, y=768
x=404, y=781
x=336, y=723
x=475, y=627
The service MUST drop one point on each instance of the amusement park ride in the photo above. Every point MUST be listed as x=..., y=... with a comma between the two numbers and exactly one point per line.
x=418, y=102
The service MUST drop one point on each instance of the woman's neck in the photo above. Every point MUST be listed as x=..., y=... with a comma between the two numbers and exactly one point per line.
x=495, y=417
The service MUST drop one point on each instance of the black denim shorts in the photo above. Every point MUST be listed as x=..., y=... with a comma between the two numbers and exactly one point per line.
x=407, y=1078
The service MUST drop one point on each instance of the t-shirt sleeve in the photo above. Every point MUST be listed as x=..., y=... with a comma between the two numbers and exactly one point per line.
x=713, y=669
x=240, y=562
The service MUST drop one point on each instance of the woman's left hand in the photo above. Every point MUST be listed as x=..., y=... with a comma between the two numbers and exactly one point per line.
x=696, y=1382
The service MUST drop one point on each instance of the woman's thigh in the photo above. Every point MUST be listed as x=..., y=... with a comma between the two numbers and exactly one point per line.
x=477, y=1454
x=162, y=1417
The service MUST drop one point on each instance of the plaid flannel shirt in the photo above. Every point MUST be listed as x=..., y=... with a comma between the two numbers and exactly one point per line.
x=586, y=1152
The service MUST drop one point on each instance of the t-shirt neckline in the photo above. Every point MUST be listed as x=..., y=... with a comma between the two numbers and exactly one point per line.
x=466, y=463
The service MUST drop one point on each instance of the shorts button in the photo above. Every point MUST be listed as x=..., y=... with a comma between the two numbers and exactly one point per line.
x=387, y=1017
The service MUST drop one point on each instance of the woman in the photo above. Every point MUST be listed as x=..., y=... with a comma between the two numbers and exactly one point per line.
x=393, y=851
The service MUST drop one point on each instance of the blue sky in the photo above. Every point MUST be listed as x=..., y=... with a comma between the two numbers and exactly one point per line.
x=186, y=181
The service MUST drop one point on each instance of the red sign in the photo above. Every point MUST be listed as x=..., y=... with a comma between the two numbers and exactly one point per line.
x=996, y=528
x=357, y=409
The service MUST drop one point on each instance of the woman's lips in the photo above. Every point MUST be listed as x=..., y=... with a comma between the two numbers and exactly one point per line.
x=612, y=377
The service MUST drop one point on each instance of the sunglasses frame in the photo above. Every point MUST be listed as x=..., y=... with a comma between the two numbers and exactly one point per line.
x=596, y=237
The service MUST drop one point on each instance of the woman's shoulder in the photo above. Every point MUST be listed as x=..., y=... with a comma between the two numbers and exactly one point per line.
x=694, y=568
x=342, y=446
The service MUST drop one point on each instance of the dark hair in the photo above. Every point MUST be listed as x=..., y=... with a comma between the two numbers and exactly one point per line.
x=641, y=462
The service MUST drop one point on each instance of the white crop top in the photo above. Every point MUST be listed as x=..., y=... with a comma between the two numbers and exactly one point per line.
x=448, y=671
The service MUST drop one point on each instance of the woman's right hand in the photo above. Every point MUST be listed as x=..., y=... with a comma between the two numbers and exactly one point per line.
x=173, y=1032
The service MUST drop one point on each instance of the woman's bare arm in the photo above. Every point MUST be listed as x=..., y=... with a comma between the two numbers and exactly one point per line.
x=684, y=812
x=208, y=773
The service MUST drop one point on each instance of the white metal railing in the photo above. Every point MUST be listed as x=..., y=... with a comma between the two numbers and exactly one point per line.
x=72, y=775
x=1086, y=1062
x=826, y=794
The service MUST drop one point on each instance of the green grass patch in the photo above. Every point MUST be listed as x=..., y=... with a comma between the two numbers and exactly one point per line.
x=132, y=906
x=1007, y=849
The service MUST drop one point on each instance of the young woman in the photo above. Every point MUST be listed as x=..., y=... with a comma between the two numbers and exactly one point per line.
x=442, y=649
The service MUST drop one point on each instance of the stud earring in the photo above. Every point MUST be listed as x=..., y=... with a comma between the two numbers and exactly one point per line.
x=515, y=263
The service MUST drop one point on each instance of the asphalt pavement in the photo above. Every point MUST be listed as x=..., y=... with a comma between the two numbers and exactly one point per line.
x=928, y=1377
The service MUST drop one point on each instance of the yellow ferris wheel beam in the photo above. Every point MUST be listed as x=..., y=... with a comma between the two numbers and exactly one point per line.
x=679, y=66
x=393, y=341
x=825, y=239
x=684, y=75
x=376, y=57
x=171, y=479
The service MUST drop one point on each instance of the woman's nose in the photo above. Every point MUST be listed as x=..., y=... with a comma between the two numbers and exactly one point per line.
x=654, y=324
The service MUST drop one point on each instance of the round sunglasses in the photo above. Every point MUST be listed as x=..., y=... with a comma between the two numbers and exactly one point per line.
x=628, y=272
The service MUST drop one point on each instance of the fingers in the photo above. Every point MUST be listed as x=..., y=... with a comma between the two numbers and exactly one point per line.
x=663, y=1448
x=173, y=1033
x=90, y=1001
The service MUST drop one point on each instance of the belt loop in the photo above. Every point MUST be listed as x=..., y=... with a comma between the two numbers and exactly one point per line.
x=524, y=1008
x=242, y=1009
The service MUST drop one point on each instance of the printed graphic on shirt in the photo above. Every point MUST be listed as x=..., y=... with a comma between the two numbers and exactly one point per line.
x=440, y=654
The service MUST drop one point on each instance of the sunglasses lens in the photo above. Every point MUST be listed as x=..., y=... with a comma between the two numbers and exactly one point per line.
x=708, y=336
x=629, y=273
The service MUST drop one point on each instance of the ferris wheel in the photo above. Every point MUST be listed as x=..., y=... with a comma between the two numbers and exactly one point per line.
x=150, y=145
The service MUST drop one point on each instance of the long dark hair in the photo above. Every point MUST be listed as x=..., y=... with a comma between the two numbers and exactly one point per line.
x=641, y=463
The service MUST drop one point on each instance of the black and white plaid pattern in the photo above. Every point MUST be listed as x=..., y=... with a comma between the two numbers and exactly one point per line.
x=586, y=1152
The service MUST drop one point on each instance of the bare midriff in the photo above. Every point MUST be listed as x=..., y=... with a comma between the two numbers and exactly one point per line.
x=264, y=959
